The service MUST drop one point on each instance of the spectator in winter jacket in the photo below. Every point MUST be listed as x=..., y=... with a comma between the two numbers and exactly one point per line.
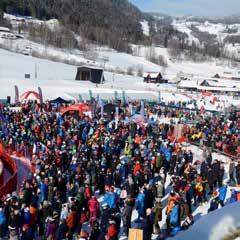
x=62, y=230
x=147, y=225
x=215, y=169
x=238, y=173
x=149, y=198
x=105, y=216
x=127, y=214
x=112, y=233
x=210, y=180
x=50, y=228
x=221, y=175
x=93, y=205
x=157, y=211
x=110, y=199
x=64, y=211
x=71, y=220
x=140, y=204
x=27, y=233
x=3, y=221
x=160, y=189
x=172, y=199
x=231, y=172
x=214, y=203
x=222, y=194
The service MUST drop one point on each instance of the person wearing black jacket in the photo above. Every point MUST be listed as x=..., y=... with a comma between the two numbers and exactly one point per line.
x=62, y=230
x=215, y=169
x=149, y=199
x=147, y=225
x=221, y=175
x=127, y=214
x=238, y=173
x=210, y=180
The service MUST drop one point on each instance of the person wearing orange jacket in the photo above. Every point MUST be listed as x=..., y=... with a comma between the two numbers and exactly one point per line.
x=172, y=199
x=71, y=221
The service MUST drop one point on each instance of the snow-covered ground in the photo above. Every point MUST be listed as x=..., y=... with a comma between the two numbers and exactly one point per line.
x=58, y=79
x=182, y=26
x=215, y=225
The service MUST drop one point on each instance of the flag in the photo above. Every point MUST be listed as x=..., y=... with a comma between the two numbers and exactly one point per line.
x=116, y=95
x=142, y=111
x=124, y=97
x=202, y=110
x=16, y=94
x=130, y=108
x=40, y=95
x=159, y=97
x=116, y=117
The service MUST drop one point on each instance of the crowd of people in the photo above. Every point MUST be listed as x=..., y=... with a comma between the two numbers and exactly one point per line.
x=90, y=175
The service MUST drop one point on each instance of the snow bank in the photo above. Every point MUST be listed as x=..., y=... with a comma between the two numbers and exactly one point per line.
x=215, y=225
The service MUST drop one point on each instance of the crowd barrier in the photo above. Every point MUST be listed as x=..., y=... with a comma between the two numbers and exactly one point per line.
x=10, y=185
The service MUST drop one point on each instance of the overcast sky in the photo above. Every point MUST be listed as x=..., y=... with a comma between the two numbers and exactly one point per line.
x=194, y=7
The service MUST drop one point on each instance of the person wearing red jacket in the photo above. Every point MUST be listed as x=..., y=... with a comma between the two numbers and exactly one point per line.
x=93, y=205
x=112, y=233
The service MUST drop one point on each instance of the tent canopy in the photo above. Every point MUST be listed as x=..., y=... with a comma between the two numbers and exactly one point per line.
x=81, y=108
x=59, y=100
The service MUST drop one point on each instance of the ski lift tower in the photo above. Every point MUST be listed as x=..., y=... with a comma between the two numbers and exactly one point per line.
x=105, y=59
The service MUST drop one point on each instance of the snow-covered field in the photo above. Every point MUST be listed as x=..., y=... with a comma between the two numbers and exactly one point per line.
x=58, y=79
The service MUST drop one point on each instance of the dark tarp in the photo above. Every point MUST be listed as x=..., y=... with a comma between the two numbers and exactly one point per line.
x=59, y=100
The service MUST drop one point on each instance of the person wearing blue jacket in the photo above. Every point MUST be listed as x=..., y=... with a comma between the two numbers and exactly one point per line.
x=140, y=204
x=233, y=197
x=222, y=194
x=174, y=220
x=110, y=199
x=3, y=221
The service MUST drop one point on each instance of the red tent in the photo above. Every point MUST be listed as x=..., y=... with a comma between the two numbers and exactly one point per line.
x=81, y=108
x=206, y=93
x=30, y=96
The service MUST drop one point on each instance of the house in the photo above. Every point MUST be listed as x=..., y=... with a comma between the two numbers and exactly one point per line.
x=90, y=73
x=205, y=83
x=184, y=76
x=154, y=77
x=5, y=33
x=216, y=76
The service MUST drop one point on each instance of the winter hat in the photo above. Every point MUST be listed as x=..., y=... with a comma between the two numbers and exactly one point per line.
x=25, y=227
x=215, y=194
x=112, y=222
x=11, y=227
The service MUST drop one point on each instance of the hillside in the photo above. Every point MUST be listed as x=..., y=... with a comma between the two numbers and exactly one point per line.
x=219, y=38
x=112, y=22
